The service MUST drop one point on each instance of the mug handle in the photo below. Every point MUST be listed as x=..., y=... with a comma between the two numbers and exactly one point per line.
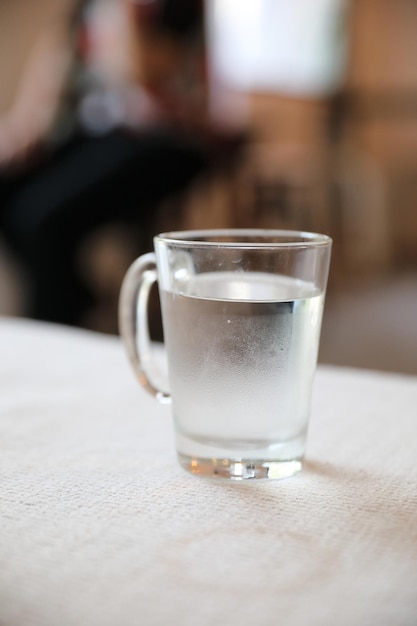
x=133, y=324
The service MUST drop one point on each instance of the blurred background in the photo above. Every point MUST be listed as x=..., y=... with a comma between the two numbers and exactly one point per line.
x=120, y=119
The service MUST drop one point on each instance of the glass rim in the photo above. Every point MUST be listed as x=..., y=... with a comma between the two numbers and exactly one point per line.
x=218, y=238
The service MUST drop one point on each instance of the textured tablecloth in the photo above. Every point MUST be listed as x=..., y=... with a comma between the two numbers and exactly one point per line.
x=100, y=526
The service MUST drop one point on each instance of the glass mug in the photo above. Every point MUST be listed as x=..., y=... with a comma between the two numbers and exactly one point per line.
x=241, y=314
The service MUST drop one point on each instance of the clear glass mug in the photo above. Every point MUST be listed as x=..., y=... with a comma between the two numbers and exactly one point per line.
x=241, y=314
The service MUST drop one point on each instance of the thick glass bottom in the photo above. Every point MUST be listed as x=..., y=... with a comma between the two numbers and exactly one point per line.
x=243, y=469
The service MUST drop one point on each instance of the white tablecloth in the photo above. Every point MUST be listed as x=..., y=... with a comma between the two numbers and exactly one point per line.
x=100, y=526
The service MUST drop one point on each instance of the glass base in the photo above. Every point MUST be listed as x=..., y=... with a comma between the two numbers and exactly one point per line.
x=243, y=469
